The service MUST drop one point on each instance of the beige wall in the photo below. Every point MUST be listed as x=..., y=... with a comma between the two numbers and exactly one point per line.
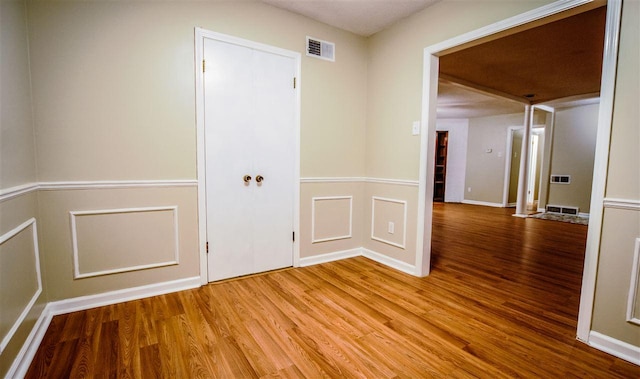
x=485, y=171
x=114, y=87
x=18, y=265
x=333, y=217
x=621, y=227
x=17, y=149
x=574, y=141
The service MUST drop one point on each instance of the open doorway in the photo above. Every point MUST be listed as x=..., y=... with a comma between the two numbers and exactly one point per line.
x=433, y=59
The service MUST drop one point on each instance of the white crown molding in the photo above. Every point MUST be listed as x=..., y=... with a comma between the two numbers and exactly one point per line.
x=23, y=315
x=74, y=237
x=628, y=204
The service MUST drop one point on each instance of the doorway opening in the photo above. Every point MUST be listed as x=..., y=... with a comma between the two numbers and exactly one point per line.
x=432, y=57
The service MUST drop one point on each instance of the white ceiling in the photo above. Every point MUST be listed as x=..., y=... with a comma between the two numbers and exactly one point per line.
x=362, y=17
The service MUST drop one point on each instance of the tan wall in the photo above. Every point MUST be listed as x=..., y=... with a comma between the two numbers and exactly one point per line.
x=114, y=87
x=485, y=171
x=333, y=219
x=621, y=227
x=514, y=173
x=395, y=77
x=18, y=268
x=17, y=149
x=574, y=141
x=57, y=236
x=390, y=203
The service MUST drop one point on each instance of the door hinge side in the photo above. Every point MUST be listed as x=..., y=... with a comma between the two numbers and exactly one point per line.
x=203, y=65
x=294, y=236
x=207, y=247
x=294, y=82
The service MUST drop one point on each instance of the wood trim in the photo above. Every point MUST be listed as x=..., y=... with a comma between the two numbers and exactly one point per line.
x=74, y=238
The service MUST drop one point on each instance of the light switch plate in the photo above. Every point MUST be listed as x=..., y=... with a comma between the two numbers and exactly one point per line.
x=415, y=129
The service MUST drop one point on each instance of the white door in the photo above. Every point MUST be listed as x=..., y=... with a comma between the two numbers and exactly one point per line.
x=249, y=118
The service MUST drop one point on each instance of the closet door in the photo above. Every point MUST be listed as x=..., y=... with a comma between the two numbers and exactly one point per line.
x=249, y=141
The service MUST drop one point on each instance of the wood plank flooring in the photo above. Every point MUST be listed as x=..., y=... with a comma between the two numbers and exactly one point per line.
x=501, y=302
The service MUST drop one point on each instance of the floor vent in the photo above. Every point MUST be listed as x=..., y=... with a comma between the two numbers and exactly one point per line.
x=321, y=49
x=561, y=209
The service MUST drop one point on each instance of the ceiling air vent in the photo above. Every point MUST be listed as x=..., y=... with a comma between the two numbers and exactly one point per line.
x=561, y=179
x=321, y=49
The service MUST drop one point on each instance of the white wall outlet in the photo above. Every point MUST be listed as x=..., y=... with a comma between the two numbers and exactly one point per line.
x=392, y=227
x=468, y=189
x=415, y=128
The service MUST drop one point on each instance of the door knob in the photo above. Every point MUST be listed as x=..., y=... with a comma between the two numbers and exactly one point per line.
x=259, y=179
x=247, y=178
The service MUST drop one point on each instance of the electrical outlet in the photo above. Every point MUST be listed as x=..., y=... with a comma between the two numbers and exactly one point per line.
x=468, y=189
x=392, y=227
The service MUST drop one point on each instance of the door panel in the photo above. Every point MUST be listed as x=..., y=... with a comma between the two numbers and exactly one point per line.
x=249, y=130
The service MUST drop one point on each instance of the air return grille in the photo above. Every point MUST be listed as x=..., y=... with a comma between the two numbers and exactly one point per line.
x=321, y=49
x=561, y=209
x=561, y=179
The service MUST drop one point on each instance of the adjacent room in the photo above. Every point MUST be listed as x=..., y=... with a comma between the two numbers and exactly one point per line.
x=318, y=188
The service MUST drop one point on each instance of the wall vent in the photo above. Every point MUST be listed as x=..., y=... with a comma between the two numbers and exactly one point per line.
x=562, y=209
x=561, y=179
x=321, y=49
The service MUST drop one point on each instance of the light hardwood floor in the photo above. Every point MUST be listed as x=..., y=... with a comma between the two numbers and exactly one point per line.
x=501, y=302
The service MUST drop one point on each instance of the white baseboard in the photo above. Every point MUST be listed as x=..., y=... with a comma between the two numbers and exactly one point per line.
x=391, y=262
x=22, y=362
x=482, y=203
x=615, y=347
x=583, y=215
x=330, y=257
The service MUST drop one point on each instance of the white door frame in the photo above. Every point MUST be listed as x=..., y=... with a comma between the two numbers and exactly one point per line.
x=200, y=35
x=427, y=144
x=509, y=157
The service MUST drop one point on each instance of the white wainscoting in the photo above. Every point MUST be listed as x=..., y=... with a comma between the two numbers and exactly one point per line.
x=615, y=347
x=10, y=193
x=315, y=202
x=75, y=216
x=403, y=203
x=634, y=286
x=38, y=277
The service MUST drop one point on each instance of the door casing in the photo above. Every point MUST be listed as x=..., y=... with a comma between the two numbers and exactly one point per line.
x=200, y=35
